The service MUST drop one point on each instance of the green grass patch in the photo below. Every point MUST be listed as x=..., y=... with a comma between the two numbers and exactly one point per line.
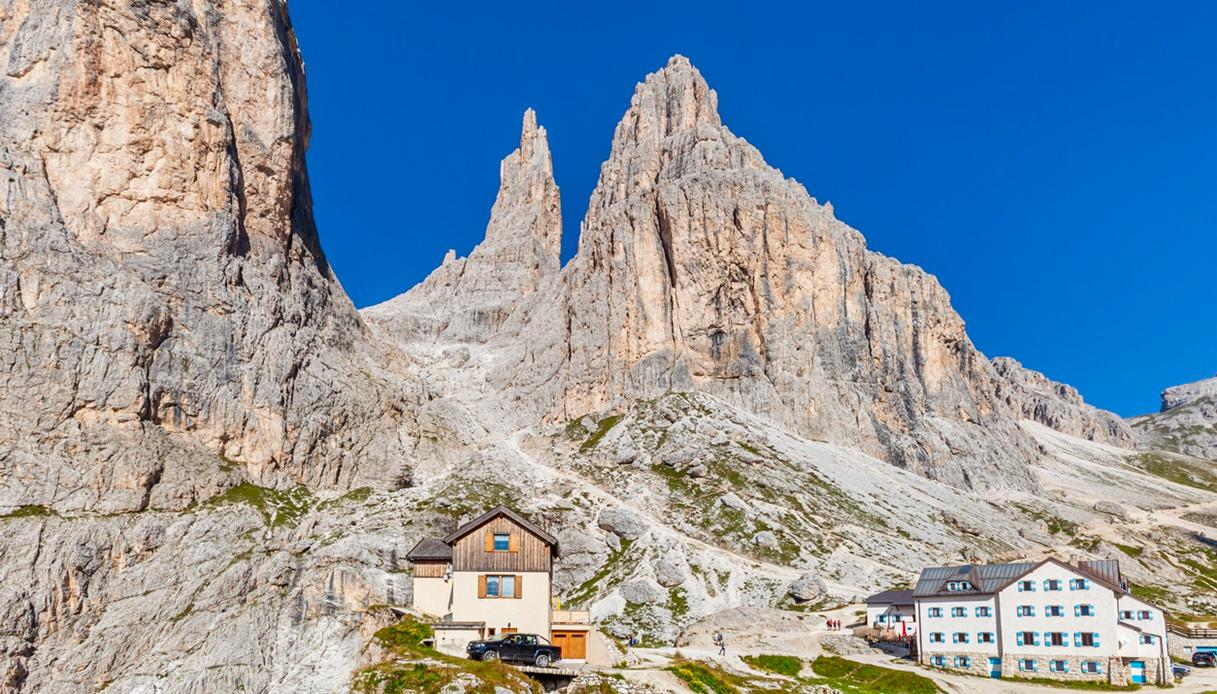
x=413, y=667
x=678, y=602
x=787, y=665
x=704, y=678
x=355, y=496
x=602, y=429
x=465, y=497
x=861, y=678
x=32, y=511
x=1152, y=594
x=278, y=508
x=1130, y=550
x=1178, y=470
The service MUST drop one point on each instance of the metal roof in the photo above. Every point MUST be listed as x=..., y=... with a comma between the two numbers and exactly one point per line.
x=1106, y=570
x=985, y=578
x=891, y=597
x=432, y=549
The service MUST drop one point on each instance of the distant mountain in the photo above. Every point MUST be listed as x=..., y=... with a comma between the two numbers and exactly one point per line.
x=1187, y=422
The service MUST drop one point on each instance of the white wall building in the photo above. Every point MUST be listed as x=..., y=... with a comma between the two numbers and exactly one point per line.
x=1046, y=619
x=892, y=611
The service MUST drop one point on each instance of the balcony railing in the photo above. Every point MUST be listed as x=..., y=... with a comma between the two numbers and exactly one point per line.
x=572, y=617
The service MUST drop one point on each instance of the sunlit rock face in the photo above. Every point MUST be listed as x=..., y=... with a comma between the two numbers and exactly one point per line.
x=167, y=308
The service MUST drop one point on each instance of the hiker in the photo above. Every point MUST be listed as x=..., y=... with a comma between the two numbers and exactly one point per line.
x=722, y=646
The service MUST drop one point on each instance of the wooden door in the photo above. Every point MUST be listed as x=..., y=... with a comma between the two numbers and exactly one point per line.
x=572, y=643
x=508, y=630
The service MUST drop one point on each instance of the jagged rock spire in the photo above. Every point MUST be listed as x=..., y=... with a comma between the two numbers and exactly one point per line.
x=468, y=299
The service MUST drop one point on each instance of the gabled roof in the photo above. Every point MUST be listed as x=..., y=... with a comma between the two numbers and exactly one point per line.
x=495, y=513
x=1105, y=570
x=985, y=578
x=432, y=549
x=891, y=597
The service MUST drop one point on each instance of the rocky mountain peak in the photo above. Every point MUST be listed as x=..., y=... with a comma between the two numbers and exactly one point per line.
x=469, y=299
x=671, y=100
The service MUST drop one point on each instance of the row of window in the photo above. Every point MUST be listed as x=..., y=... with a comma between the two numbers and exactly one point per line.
x=981, y=611
x=1057, y=638
x=1091, y=667
x=1054, y=584
x=1054, y=611
x=963, y=637
x=1029, y=611
x=1129, y=615
x=1024, y=664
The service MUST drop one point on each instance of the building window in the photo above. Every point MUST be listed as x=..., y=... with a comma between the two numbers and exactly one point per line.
x=1026, y=665
x=937, y=637
x=1026, y=586
x=959, y=637
x=963, y=661
x=1025, y=611
x=1055, y=638
x=1085, y=638
x=984, y=611
x=1092, y=667
x=502, y=542
x=1058, y=665
x=1052, y=584
x=984, y=637
x=956, y=586
x=880, y=619
x=934, y=612
x=959, y=612
x=939, y=661
x=1079, y=584
x=1126, y=614
x=1054, y=611
x=1145, y=614
x=499, y=586
x=1028, y=638
x=1147, y=638
x=1083, y=610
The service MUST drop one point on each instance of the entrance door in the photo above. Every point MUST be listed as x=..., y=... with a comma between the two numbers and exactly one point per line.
x=1137, y=667
x=572, y=643
x=508, y=630
x=995, y=668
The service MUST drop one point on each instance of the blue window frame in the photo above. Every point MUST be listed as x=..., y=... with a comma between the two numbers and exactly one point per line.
x=939, y=661
x=985, y=637
x=1026, y=586
x=934, y=612
x=1083, y=610
x=1024, y=611
x=1092, y=667
x=502, y=542
x=1054, y=611
x=1058, y=665
x=959, y=611
x=1079, y=584
x=984, y=611
x=959, y=637
x=1052, y=584
x=1026, y=665
x=937, y=637
x=963, y=661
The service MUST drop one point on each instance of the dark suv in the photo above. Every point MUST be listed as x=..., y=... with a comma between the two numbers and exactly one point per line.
x=516, y=648
x=1204, y=659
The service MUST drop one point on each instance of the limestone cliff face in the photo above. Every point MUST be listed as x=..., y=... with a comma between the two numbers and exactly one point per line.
x=702, y=267
x=1058, y=405
x=1187, y=422
x=469, y=299
x=167, y=309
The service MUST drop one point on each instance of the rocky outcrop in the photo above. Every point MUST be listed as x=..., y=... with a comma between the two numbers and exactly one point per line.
x=169, y=322
x=700, y=267
x=1187, y=422
x=1058, y=406
x=468, y=299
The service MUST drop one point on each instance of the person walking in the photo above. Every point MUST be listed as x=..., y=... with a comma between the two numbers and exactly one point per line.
x=722, y=646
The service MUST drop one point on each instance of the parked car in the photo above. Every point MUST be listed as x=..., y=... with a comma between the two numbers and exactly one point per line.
x=1180, y=671
x=1204, y=659
x=516, y=648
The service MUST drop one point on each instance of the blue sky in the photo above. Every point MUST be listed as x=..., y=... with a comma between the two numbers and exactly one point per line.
x=1054, y=164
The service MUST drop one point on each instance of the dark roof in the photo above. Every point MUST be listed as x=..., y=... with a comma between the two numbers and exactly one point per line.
x=891, y=597
x=495, y=513
x=991, y=578
x=985, y=578
x=432, y=549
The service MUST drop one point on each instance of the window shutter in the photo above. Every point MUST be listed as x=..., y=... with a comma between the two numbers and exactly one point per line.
x=482, y=586
x=513, y=542
x=1096, y=640
x=1020, y=586
x=1045, y=584
x=519, y=584
x=489, y=541
x=1019, y=638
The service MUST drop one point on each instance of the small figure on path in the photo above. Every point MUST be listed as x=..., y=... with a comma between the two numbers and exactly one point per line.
x=722, y=646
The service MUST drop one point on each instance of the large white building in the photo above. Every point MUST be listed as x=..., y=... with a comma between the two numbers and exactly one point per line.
x=1040, y=619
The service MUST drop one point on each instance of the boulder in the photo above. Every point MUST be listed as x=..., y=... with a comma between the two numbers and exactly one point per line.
x=671, y=571
x=643, y=591
x=806, y=588
x=623, y=523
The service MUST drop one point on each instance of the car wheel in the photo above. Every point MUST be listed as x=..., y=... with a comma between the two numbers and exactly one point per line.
x=490, y=655
x=542, y=660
